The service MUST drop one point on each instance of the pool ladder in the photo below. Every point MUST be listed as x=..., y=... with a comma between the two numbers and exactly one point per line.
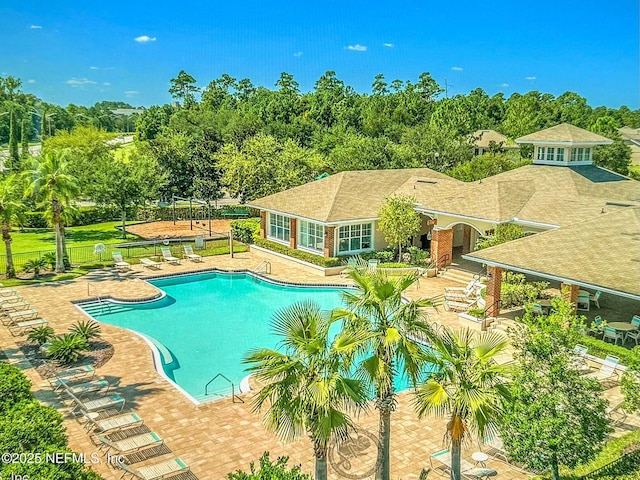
x=266, y=266
x=233, y=388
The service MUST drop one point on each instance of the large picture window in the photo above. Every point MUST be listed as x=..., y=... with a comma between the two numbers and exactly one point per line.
x=311, y=236
x=279, y=227
x=354, y=238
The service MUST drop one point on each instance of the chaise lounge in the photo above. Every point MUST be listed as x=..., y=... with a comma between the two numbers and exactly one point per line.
x=189, y=255
x=165, y=469
x=148, y=263
x=119, y=262
x=167, y=256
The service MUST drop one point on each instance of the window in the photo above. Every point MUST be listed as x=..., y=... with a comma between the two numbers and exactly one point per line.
x=574, y=154
x=353, y=238
x=550, y=152
x=560, y=154
x=587, y=154
x=580, y=156
x=540, y=153
x=311, y=236
x=279, y=227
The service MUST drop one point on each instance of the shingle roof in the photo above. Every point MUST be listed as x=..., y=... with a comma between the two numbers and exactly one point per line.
x=564, y=134
x=344, y=196
x=603, y=251
x=484, y=137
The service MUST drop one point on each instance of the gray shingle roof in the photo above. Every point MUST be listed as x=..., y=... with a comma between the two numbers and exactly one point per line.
x=564, y=134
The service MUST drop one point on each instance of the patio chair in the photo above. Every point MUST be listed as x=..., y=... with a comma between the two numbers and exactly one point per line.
x=372, y=265
x=167, y=256
x=579, y=362
x=612, y=334
x=607, y=370
x=494, y=446
x=617, y=414
x=583, y=302
x=20, y=328
x=595, y=298
x=536, y=310
x=166, y=469
x=454, y=293
x=131, y=444
x=598, y=326
x=119, y=262
x=148, y=263
x=118, y=422
x=634, y=334
x=467, y=469
x=71, y=373
x=189, y=255
x=458, y=306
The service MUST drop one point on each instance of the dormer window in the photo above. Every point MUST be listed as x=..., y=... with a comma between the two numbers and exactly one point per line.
x=550, y=153
x=580, y=154
x=560, y=154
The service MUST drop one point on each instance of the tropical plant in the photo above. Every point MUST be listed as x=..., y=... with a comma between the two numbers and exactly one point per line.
x=54, y=188
x=467, y=385
x=86, y=329
x=270, y=471
x=35, y=265
x=505, y=232
x=376, y=306
x=41, y=334
x=50, y=258
x=11, y=213
x=67, y=348
x=308, y=387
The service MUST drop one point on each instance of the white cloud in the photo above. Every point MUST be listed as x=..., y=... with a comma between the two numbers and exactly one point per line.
x=131, y=93
x=106, y=84
x=94, y=68
x=80, y=82
x=145, y=39
x=357, y=48
x=503, y=85
x=388, y=45
x=297, y=54
x=529, y=78
x=31, y=80
x=457, y=69
x=35, y=27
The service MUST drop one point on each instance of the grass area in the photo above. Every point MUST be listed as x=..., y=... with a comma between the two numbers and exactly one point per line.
x=44, y=239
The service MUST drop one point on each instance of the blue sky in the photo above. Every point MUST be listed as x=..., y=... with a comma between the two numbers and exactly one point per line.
x=78, y=52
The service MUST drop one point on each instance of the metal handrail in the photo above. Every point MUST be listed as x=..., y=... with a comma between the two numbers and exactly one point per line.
x=266, y=265
x=442, y=260
x=233, y=387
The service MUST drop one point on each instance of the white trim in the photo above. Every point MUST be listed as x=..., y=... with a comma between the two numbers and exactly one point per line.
x=320, y=253
x=336, y=241
x=281, y=242
x=530, y=223
x=549, y=143
x=309, y=249
x=553, y=277
x=456, y=215
x=314, y=220
x=564, y=163
x=352, y=222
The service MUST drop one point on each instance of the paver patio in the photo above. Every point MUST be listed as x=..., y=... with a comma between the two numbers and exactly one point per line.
x=218, y=437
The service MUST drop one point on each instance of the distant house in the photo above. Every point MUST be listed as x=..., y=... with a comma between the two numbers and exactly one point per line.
x=631, y=137
x=489, y=140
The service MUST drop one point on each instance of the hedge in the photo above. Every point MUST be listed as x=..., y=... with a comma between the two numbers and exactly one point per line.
x=299, y=254
x=599, y=348
x=82, y=216
x=245, y=230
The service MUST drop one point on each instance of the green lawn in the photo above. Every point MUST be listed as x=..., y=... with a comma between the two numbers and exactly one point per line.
x=44, y=239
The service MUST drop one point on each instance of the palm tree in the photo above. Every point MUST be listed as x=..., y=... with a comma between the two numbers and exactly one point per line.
x=55, y=189
x=467, y=386
x=308, y=389
x=11, y=213
x=391, y=348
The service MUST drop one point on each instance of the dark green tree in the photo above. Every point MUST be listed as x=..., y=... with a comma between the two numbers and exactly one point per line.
x=183, y=87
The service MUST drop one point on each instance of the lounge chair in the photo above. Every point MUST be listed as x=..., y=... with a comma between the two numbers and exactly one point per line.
x=458, y=306
x=14, y=306
x=616, y=414
x=494, y=446
x=156, y=471
x=579, y=362
x=612, y=334
x=70, y=373
x=7, y=292
x=80, y=389
x=20, y=328
x=131, y=444
x=97, y=404
x=455, y=293
x=21, y=315
x=10, y=299
x=119, y=262
x=595, y=298
x=148, y=263
x=607, y=370
x=167, y=256
x=118, y=422
x=189, y=255
x=467, y=469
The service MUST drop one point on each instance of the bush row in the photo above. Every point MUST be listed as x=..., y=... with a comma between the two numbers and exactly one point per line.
x=599, y=348
x=517, y=291
x=299, y=254
x=82, y=216
x=245, y=230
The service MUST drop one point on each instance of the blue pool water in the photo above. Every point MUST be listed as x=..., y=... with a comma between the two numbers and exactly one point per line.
x=208, y=322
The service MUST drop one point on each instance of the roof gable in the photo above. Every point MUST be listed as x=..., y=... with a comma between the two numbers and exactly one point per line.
x=564, y=133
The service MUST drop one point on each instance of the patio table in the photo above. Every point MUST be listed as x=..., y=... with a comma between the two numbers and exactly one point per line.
x=622, y=327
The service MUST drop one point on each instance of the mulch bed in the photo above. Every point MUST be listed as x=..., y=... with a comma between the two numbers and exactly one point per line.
x=99, y=353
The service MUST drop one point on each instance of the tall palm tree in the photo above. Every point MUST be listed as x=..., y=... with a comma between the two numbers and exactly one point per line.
x=391, y=348
x=11, y=213
x=468, y=386
x=308, y=386
x=54, y=189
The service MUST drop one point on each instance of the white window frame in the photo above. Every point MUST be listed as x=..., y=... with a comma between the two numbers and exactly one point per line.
x=551, y=154
x=541, y=152
x=287, y=228
x=560, y=154
x=349, y=237
x=301, y=245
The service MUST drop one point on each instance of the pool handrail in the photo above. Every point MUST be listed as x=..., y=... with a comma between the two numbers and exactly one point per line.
x=233, y=387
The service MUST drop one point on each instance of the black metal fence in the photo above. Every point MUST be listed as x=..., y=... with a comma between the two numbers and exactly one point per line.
x=88, y=254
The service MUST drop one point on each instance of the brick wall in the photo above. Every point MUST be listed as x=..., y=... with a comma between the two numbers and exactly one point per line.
x=494, y=285
x=442, y=244
x=293, y=238
x=570, y=292
x=329, y=234
x=263, y=224
x=466, y=238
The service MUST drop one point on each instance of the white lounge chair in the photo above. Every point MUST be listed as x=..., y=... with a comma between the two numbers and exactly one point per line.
x=467, y=469
x=10, y=299
x=119, y=262
x=595, y=298
x=19, y=328
x=157, y=471
x=494, y=446
x=463, y=293
x=97, y=404
x=579, y=362
x=14, y=307
x=607, y=370
x=189, y=255
x=131, y=444
x=7, y=292
x=118, y=422
x=148, y=263
x=20, y=316
x=80, y=389
x=70, y=373
x=458, y=306
x=168, y=256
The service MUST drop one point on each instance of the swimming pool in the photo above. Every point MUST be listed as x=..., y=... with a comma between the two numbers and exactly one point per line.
x=206, y=323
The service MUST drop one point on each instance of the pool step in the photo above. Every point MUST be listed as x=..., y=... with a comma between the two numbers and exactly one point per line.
x=106, y=308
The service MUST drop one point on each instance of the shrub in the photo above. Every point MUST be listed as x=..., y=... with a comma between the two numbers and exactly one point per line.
x=517, y=291
x=14, y=387
x=35, y=265
x=418, y=256
x=269, y=471
x=34, y=220
x=86, y=329
x=67, y=348
x=599, y=348
x=245, y=230
x=50, y=259
x=41, y=334
x=299, y=254
x=27, y=425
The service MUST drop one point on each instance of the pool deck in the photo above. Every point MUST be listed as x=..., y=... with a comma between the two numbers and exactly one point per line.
x=220, y=437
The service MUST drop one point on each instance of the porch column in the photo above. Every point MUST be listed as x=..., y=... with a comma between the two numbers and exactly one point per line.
x=329, y=235
x=293, y=233
x=466, y=238
x=441, y=244
x=570, y=293
x=493, y=291
x=263, y=224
